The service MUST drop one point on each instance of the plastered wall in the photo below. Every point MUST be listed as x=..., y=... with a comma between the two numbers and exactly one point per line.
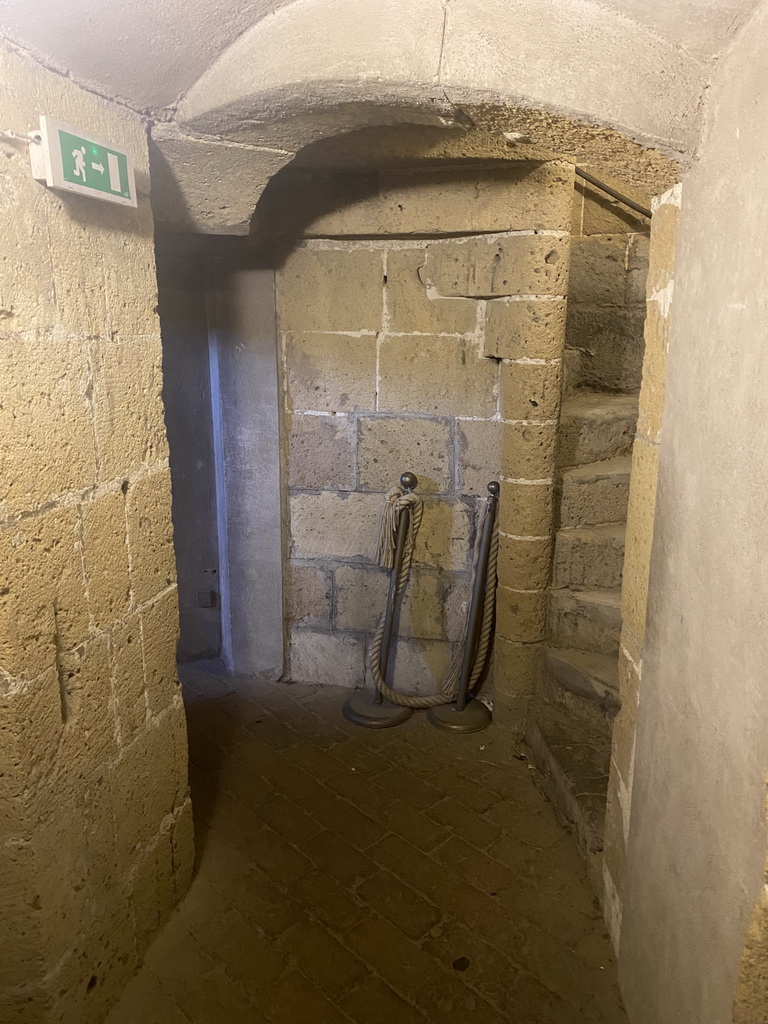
x=422, y=324
x=695, y=864
x=637, y=552
x=96, y=842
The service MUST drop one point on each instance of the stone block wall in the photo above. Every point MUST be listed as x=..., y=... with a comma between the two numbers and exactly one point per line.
x=637, y=557
x=439, y=354
x=606, y=297
x=96, y=844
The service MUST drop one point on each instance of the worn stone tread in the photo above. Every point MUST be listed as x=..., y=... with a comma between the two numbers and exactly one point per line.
x=595, y=426
x=589, y=675
x=589, y=620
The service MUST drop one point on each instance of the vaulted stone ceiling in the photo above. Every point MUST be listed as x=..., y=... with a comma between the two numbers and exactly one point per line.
x=236, y=89
x=150, y=52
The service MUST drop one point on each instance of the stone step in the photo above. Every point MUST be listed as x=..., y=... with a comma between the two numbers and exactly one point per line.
x=572, y=375
x=589, y=620
x=573, y=755
x=595, y=426
x=594, y=677
x=596, y=493
x=589, y=557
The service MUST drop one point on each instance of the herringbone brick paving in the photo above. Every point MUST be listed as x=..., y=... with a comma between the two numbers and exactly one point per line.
x=349, y=876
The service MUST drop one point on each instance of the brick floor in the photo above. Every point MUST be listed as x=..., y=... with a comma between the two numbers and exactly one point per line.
x=349, y=876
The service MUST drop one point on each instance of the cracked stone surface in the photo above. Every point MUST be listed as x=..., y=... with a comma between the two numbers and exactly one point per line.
x=349, y=875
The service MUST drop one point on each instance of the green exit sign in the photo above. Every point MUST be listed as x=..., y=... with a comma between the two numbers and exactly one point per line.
x=68, y=159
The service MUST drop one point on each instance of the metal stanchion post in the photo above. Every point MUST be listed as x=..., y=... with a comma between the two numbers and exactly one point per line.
x=468, y=714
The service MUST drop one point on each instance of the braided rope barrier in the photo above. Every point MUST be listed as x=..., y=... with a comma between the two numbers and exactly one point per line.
x=397, y=500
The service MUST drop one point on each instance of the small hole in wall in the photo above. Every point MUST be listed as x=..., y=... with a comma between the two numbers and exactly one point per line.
x=124, y=486
x=91, y=984
x=385, y=279
x=533, y=403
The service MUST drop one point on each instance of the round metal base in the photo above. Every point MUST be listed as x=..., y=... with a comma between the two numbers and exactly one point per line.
x=360, y=708
x=474, y=718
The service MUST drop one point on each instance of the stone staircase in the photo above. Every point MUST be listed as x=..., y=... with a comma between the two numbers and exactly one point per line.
x=569, y=729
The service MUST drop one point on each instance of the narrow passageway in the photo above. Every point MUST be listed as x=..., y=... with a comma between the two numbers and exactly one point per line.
x=389, y=877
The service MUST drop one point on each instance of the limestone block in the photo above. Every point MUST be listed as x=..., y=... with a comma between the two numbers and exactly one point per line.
x=479, y=454
x=524, y=328
x=327, y=659
x=183, y=849
x=529, y=391
x=610, y=340
x=419, y=666
x=524, y=564
x=149, y=780
x=26, y=287
x=598, y=270
x=321, y=452
x=602, y=215
x=412, y=307
x=309, y=596
x=127, y=237
x=152, y=887
x=208, y=186
x=390, y=446
x=87, y=702
x=572, y=379
x=589, y=556
x=330, y=290
x=105, y=950
x=105, y=557
x=128, y=676
x=637, y=269
x=428, y=201
x=60, y=840
x=528, y=450
x=150, y=535
x=75, y=253
x=43, y=594
x=159, y=636
x=46, y=433
x=640, y=516
x=329, y=525
x=330, y=372
x=435, y=375
x=31, y=730
x=525, y=510
x=456, y=600
x=663, y=248
x=588, y=620
x=596, y=427
x=517, y=672
x=521, y=617
x=444, y=538
x=596, y=493
x=651, y=408
x=127, y=402
x=488, y=268
x=361, y=596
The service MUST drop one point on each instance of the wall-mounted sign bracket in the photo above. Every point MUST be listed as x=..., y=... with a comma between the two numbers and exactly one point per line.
x=70, y=160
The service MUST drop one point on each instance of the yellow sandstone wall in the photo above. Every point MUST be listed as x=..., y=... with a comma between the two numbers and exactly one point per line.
x=96, y=842
x=422, y=323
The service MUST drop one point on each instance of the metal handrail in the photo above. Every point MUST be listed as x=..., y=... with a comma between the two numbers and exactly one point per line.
x=614, y=194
